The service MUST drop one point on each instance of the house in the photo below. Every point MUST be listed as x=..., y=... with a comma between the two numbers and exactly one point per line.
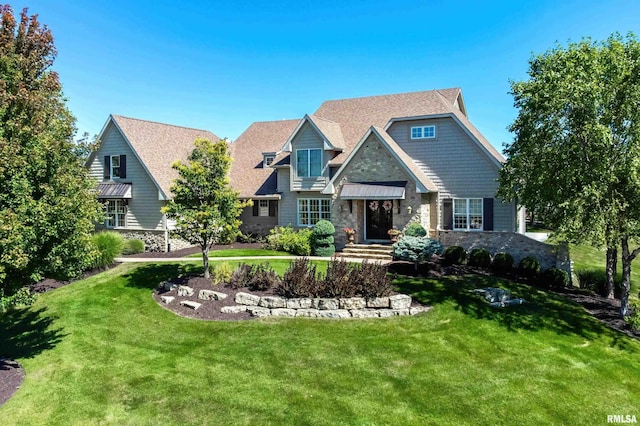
x=133, y=167
x=374, y=163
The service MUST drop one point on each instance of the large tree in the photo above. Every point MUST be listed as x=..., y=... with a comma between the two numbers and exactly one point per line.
x=576, y=151
x=204, y=206
x=47, y=202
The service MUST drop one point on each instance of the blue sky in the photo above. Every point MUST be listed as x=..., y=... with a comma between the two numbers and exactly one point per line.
x=222, y=65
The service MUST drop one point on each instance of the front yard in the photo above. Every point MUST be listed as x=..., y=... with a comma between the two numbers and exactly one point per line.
x=101, y=351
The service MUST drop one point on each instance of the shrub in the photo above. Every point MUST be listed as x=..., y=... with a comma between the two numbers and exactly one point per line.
x=633, y=319
x=502, y=262
x=300, y=280
x=595, y=280
x=416, y=249
x=554, y=278
x=264, y=278
x=109, y=245
x=529, y=267
x=22, y=297
x=337, y=281
x=480, y=257
x=133, y=247
x=414, y=229
x=322, y=238
x=287, y=239
x=220, y=272
x=455, y=255
x=241, y=276
x=375, y=282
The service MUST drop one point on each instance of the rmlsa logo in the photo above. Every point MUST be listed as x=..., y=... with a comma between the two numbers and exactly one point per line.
x=619, y=418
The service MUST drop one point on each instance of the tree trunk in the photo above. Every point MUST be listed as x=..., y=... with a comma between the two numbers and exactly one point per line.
x=612, y=267
x=626, y=276
x=205, y=260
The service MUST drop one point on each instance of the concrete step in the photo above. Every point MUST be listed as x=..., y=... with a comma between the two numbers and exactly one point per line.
x=365, y=256
x=367, y=251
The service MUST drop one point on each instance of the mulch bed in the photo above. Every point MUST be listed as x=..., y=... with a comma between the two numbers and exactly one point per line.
x=12, y=374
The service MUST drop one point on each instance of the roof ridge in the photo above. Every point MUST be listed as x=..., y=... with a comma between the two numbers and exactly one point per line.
x=276, y=121
x=323, y=119
x=162, y=124
x=391, y=94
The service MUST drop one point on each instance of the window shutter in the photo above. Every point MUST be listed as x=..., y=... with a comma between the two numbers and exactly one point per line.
x=123, y=166
x=273, y=205
x=107, y=167
x=255, y=207
x=447, y=213
x=487, y=209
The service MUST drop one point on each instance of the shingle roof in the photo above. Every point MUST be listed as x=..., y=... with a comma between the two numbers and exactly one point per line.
x=247, y=174
x=330, y=129
x=159, y=145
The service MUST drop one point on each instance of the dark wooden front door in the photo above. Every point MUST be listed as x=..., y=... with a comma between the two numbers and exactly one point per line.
x=379, y=219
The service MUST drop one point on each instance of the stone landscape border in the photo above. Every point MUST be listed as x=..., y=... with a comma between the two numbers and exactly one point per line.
x=276, y=306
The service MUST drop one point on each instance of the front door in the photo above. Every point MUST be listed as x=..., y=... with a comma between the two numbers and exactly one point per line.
x=379, y=219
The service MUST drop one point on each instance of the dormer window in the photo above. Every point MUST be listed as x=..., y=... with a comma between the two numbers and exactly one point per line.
x=423, y=132
x=268, y=160
x=309, y=162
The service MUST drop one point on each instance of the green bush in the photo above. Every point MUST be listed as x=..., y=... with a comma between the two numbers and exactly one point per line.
x=455, y=255
x=554, y=278
x=502, y=262
x=480, y=257
x=242, y=276
x=264, y=278
x=133, y=247
x=416, y=249
x=285, y=238
x=22, y=297
x=595, y=280
x=220, y=272
x=109, y=245
x=633, y=319
x=414, y=229
x=322, y=238
x=529, y=267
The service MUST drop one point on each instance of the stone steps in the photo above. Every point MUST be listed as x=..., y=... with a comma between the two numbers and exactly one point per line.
x=367, y=251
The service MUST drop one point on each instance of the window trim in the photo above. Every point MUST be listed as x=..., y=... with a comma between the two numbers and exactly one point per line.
x=268, y=160
x=308, y=151
x=468, y=215
x=112, y=167
x=322, y=214
x=263, y=207
x=432, y=132
x=118, y=203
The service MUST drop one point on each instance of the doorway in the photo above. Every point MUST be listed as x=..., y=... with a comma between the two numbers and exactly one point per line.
x=378, y=219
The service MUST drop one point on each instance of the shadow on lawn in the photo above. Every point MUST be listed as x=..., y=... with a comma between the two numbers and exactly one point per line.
x=152, y=275
x=542, y=310
x=25, y=333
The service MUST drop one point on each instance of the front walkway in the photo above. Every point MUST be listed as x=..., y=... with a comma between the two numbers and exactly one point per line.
x=235, y=258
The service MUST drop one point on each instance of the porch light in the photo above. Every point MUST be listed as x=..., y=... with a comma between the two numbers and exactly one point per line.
x=409, y=209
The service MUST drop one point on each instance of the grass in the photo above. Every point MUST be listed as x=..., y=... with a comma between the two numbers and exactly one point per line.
x=241, y=253
x=101, y=351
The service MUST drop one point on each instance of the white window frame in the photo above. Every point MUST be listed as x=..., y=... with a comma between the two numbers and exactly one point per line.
x=423, y=132
x=308, y=174
x=473, y=221
x=268, y=160
x=116, y=214
x=114, y=168
x=263, y=207
x=308, y=215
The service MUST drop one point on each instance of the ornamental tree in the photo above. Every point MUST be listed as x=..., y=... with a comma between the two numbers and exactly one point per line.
x=576, y=155
x=204, y=206
x=47, y=201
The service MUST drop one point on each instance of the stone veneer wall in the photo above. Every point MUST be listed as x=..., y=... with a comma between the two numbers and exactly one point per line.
x=154, y=241
x=517, y=245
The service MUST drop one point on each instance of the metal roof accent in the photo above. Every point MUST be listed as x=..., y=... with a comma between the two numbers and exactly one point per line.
x=114, y=190
x=373, y=191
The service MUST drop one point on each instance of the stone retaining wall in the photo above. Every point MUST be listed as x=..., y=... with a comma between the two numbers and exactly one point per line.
x=154, y=241
x=517, y=245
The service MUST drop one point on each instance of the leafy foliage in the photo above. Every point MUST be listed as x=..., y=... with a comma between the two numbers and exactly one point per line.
x=502, y=262
x=22, y=297
x=416, y=249
x=109, y=245
x=595, y=280
x=455, y=255
x=204, y=206
x=300, y=280
x=480, y=257
x=264, y=278
x=529, y=267
x=241, y=276
x=47, y=202
x=133, y=247
x=285, y=238
x=322, y=238
x=220, y=272
x=554, y=278
x=375, y=282
x=414, y=229
x=633, y=319
x=339, y=280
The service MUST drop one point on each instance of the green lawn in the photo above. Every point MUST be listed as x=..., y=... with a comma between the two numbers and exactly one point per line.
x=101, y=351
x=242, y=253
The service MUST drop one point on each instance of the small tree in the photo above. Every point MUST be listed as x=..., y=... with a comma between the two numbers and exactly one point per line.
x=417, y=249
x=204, y=206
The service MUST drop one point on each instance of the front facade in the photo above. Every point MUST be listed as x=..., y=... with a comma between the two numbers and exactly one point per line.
x=133, y=168
x=374, y=164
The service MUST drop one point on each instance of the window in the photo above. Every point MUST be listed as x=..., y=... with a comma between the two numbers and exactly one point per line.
x=263, y=208
x=115, y=166
x=268, y=160
x=309, y=162
x=423, y=132
x=115, y=212
x=467, y=214
x=311, y=210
